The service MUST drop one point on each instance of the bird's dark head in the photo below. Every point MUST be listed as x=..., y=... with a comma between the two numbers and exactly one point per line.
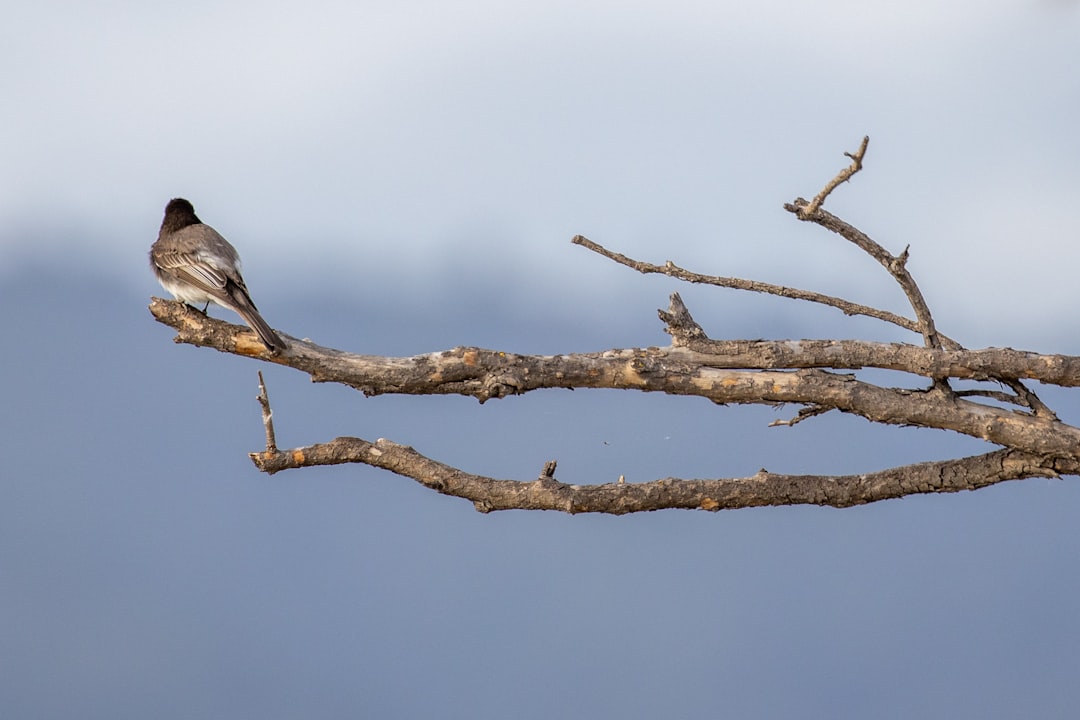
x=179, y=213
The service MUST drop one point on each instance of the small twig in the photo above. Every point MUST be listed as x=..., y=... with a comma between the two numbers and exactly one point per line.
x=1023, y=396
x=672, y=270
x=1028, y=398
x=842, y=177
x=804, y=414
x=680, y=323
x=268, y=417
x=1001, y=397
x=549, y=470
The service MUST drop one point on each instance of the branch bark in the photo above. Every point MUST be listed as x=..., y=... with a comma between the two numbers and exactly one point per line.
x=486, y=374
x=703, y=370
x=620, y=498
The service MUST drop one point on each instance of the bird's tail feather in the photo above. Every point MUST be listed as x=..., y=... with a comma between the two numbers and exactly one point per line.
x=246, y=309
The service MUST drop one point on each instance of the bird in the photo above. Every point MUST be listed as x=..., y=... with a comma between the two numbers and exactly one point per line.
x=198, y=266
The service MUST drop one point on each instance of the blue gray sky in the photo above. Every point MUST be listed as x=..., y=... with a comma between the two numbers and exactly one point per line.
x=405, y=177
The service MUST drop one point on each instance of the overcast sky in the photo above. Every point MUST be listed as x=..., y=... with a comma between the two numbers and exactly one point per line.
x=405, y=177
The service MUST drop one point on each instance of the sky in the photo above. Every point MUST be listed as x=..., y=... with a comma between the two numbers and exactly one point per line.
x=405, y=177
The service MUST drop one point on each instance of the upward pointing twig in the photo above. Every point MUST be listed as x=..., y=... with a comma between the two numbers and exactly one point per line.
x=895, y=265
x=842, y=177
x=268, y=417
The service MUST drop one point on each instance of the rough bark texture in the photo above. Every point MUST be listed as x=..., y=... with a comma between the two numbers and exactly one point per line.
x=763, y=488
x=809, y=373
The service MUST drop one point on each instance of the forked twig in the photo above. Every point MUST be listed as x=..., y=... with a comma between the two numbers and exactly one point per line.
x=896, y=265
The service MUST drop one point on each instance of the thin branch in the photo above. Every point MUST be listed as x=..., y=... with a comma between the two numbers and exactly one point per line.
x=619, y=498
x=267, y=416
x=1027, y=397
x=804, y=414
x=672, y=270
x=842, y=177
x=895, y=265
x=1001, y=397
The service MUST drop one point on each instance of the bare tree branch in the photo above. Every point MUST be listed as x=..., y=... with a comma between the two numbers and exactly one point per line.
x=267, y=415
x=895, y=265
x=485, y=374
x=805, y=414
x=842, y=177
x=1034, y=442
x=1027, y=397
x=672, y=270
x=619, y=498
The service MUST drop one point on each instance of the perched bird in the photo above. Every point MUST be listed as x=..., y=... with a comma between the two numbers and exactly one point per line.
x=198, y=266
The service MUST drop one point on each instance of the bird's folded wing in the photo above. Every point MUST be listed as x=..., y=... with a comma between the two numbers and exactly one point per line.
x=189, y=268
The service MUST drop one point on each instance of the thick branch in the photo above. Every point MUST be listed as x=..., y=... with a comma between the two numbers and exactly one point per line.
x=619, y=498
x=479, y=373
x=677, y=371
x=986, y=364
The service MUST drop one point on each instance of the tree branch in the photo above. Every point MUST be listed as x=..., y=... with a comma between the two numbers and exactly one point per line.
x=619, y=498
x=842, y=177
x=267, y=416
x=672, y=270
x=895, y=265
x=801, y=372
x=484, y=374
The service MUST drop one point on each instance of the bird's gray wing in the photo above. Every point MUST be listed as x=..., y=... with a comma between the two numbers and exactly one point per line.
x=198, y=255
x=189, y=268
